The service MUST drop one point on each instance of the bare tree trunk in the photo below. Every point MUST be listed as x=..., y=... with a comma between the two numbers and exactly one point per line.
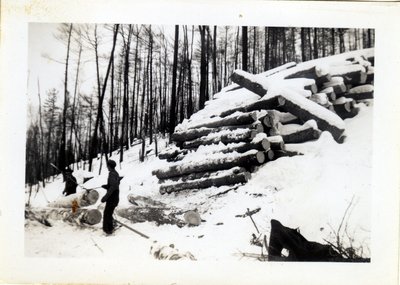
x=42, y=165
x=62, y=156
x=99, y=117
x=172, y=117
x=203, y=67
x=132, y=132
x=151, y=103
x=75, y=91
x=215, y=84
x=237, y=48
x=254, y=48
x=303, y=45
x=266, y=43
x=125, y=105
x=190, y=98
x=315, y=43
x=244, y=48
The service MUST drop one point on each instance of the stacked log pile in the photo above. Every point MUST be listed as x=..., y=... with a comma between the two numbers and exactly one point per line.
x=295, y=104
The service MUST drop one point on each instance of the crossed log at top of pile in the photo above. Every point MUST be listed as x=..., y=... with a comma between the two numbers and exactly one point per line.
x=225, y=149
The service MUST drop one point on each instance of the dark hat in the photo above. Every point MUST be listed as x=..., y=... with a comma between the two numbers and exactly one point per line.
x=111, y=163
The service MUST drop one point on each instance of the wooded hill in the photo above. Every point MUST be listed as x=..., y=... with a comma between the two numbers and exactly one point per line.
x=295, y=103
x=145, y=80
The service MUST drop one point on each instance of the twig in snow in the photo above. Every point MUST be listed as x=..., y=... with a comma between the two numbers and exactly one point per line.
x=341, y=223
x=224, y=192
x=97, y=245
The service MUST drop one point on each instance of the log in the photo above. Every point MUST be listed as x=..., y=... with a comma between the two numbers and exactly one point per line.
x=218, y=179
x=345, y=108
x=371, y=59
x=29, y=215
x=199, y=175
x=261, y=104
x=171, y=153
x=269, y=72
x=224, y=137
x=330, y=93
x=321, y=99
x=144, y=201
x=159, y=215
x=304, y=83
x=354, y=74
x=273, y=117
x=248, y=81
x=269, y=155
x=233, y=120
x=299, y=134
x=192, y=134
x=344, y=114
x=337, y=83
x=276, y=143
x=261, y=145
x=285, y=153
x=80, y=217
x=81, y=199
x=319, y=74
x=247, y=159
x=306, y=110
x=362, y=92
x=370, y=75
x=241, y=147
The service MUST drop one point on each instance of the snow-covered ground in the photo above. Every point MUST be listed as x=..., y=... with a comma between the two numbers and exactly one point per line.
x=310, y=192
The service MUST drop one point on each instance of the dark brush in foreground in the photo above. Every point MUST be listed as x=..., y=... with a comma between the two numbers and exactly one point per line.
x=300, y=249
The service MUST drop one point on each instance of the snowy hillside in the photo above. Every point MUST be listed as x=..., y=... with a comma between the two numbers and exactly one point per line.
x=325, y=192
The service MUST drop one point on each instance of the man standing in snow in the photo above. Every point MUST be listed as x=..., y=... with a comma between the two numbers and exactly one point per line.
x=111, y=198
x=70, y=182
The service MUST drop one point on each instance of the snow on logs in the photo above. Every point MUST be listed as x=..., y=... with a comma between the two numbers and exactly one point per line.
x=248, y=81
x=296, y=103
x=361, y=92
x=225, y=137
x=212, y=163
x=337, y=84
x=344, y=107
x=269, y=103
x=294, y=133
x=231, y=176
x=353, y=74
x=82, y=199
x=318, y=73
x=301, y=107
x=305, y=110
x=232, y=120
x=195, y=133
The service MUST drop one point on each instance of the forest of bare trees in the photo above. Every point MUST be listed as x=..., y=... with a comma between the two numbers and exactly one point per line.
x=151, y=78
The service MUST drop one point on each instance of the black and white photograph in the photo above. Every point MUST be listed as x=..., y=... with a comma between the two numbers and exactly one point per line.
x=188, y=143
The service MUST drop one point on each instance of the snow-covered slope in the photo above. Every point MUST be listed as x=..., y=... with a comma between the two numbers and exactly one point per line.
x=326, y=193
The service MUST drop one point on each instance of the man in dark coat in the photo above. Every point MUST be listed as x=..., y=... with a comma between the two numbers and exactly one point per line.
x=111, y=198
x=70, y=182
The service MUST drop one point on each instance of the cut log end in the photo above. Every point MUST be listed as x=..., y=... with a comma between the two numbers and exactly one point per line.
x=270, y=154
x=260, y=156
x=92, y=217
x=266, y=144
x=90, y=198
